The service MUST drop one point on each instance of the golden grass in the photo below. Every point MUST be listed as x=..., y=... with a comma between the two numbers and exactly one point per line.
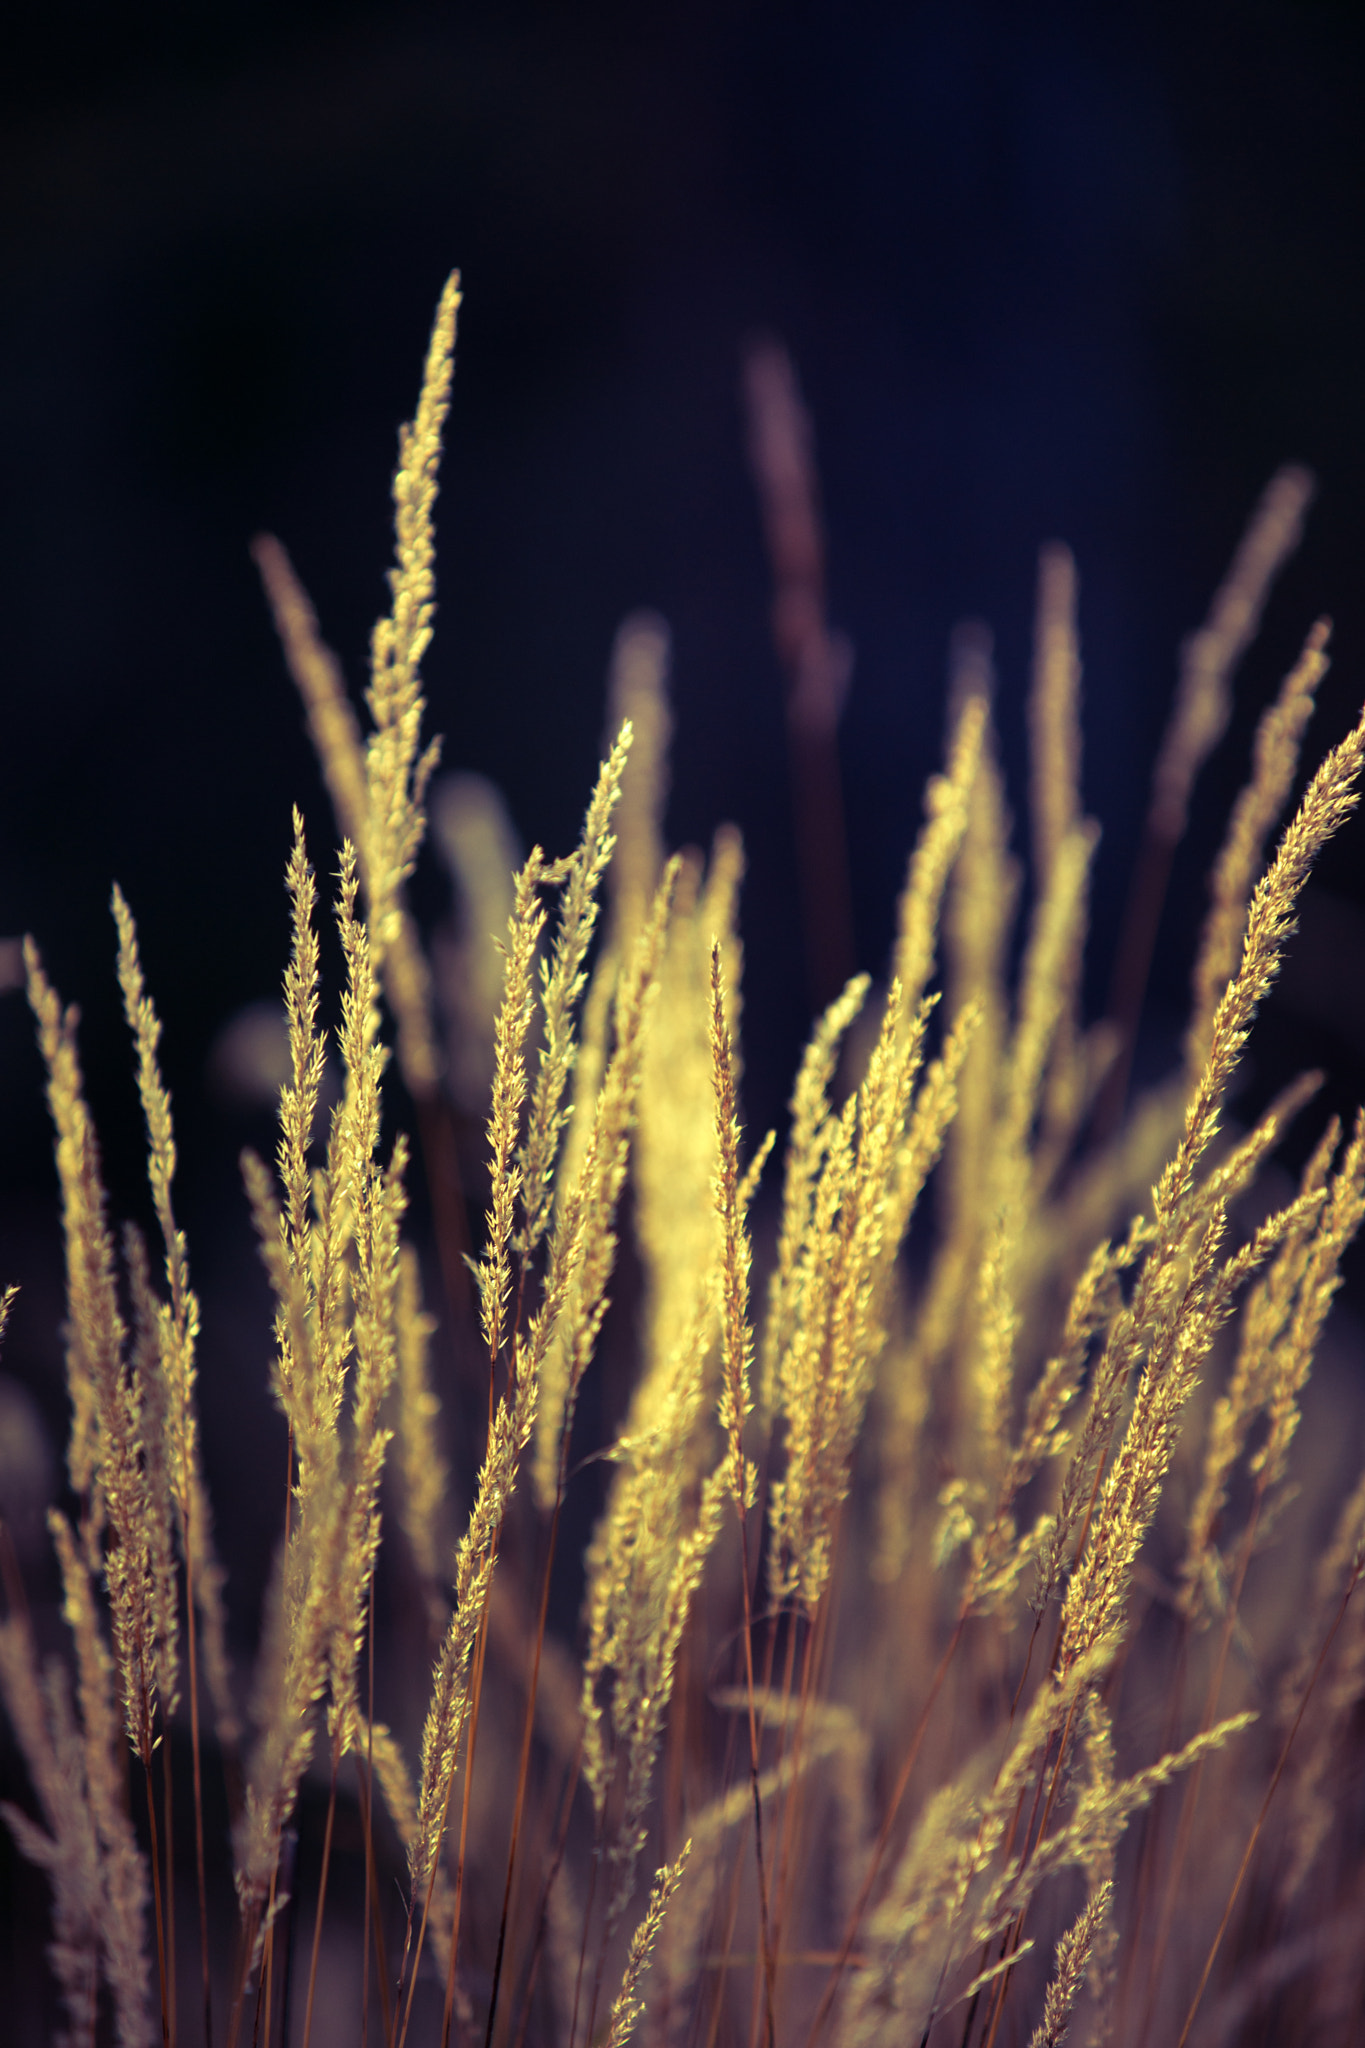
x=900, y=1607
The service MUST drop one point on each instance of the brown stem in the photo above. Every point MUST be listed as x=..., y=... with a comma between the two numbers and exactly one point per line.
x=366, y=1778
x=597, y=1973
x=290, y=1916
x=528, y=1727
x=251, y=1918
x=374, y=1916
x=817, y=662
x=322, y=1902
x=1033, y=1839
x=675, y=1753
x=587, y=1921
x=562, y=1835
x=1011, y=1948
x=783, y=1830
x=246, y=1942
x=265, y=1990
x=412, y=1956
x=884, y=1833
x=769, y=1977
x=473, y=1729
x=812, y=1680
x=479, y=1658
x=1150, y=1825
x=1190, y=1794
x=813, y=1669
x=1014, y=1934
x=198, y=1783
x=724, y=1961
x=480, y=1650
x=1255, y=1835
x=169, y=1831
x=769, y=1658
x=1007, y=1846
x=156, y=1896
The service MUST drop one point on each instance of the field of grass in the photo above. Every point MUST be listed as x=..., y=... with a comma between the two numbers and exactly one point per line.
x=962, y=1657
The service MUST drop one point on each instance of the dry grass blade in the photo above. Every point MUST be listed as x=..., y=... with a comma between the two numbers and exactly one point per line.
x=1203, y=704
x=1198, y=720
x=1054, y=710
x=563, y=981
x=1073, y=1957
x=628, y=2004
x=1278, y=739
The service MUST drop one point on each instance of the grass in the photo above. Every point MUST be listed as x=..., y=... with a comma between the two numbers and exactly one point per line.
x=953, y=1664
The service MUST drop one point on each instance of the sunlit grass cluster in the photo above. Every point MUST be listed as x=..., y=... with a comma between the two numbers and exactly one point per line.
x=953, y=1663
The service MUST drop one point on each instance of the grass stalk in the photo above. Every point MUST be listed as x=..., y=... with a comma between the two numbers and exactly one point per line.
x=595, y=1868
x=168, y=1835
x=538, y=1943
x=524, y=1763
x=1190, y=1790
x=1270, y=1791
x=201, y=1881
x=465, y=1797
x=156, y=1896
x=321, y=1905
x=880, y=1846
x=365, y=1777
x=1150, y=1839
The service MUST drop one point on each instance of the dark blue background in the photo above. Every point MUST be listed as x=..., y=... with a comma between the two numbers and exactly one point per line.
x=1056, y=270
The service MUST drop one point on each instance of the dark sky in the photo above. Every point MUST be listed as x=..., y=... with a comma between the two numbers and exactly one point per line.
x=1045, y=270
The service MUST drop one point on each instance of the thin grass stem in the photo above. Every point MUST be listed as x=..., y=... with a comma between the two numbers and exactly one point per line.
x=523, y=1769
x=1271, y=1788
x=1190, y=1794
x=467, y=1792
x=321, y=1905
x=366, y=1779
x=882, y=1842
x=587, y=1922
x=156, y=1896
x=168, y=1829
x=538, y=1944
x=1150, y=1840
x=196, y=1767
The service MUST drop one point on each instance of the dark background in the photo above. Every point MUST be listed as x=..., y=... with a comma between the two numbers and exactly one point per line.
x=1045, y=270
